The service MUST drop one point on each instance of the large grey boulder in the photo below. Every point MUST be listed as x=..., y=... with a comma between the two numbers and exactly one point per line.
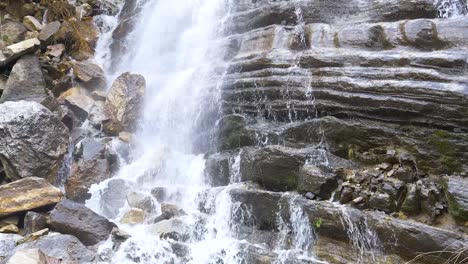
x=75, y=219
x=25, y=82
x=64, y=247
x=124, y=103
x=33, y=140
x=456, y=191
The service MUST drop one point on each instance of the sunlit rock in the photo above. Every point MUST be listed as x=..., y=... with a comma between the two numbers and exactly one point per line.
x=27, y=194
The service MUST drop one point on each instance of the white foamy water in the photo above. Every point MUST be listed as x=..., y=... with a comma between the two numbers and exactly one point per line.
x=170, y=47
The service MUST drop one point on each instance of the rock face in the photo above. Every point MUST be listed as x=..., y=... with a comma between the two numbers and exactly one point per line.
x=456, y=189
x=25, y=82
x=33, y=141
x=124, y=103
x=75, y=219
x=27, y=194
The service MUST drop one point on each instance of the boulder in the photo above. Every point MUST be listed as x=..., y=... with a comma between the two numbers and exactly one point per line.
x=168, y=211
x=34, y=222
x=113, y=197
x=315, y=180
x=48, y=31
x=217, y=169
x=133, y=217
x=173, y=228
x=89, y=166
x=75, y=219
x=382, y=202
x=13, y=32
x=273, y=167
x=124, y=103
x=8, y=244
x=411, y=204
x=33, y=141
x=28, y=256
x=15, y=51
x=141, y=201
x=77, y=100
x=233, y=134
x=27, y=194
x=32, y=23
x=25, y=82
x=64, y=247
x=89, y=74
x=456, y=192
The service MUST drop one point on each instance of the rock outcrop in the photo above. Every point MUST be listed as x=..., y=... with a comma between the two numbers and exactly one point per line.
x=33, y=140
x=27, y=194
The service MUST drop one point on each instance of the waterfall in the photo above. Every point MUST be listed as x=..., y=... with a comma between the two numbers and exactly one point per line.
x=174, y=48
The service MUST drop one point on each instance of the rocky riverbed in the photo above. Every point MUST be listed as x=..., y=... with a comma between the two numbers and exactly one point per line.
x=339, y=134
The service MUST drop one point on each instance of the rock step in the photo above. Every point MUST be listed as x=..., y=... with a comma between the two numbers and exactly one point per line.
x=403, y=238
x=452, y=62
x=412, y=35
x=265, y=13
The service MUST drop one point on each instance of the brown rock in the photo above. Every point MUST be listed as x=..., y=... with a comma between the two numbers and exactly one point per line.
x=133, y=217
x=89, y=74
x=11, y=228
x=89, y=166
x=55, y=51
x=78, y=101
x=27, y=194
x=124, y=103
x=48, y=31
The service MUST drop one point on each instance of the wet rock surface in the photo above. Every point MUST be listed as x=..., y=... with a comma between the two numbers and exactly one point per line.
x=75, y=219
x=124, y=103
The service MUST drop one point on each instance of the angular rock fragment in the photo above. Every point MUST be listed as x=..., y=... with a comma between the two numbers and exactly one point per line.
x=27, y=194
x=75, y=219
x=26, y=81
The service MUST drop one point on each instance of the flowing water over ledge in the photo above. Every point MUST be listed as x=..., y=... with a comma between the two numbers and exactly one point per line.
x=175, y=47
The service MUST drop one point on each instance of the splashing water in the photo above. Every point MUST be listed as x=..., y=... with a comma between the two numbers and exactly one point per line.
x=173, y=46
x=297, y=236
x=451, y=8
x=364, y=241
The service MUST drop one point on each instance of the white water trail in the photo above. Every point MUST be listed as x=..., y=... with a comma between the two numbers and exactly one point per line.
x=170, y=47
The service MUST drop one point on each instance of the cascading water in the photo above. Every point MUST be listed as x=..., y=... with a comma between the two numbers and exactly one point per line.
x=171, y=45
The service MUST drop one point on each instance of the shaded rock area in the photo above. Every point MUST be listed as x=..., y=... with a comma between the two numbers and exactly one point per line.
x=75, y=219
